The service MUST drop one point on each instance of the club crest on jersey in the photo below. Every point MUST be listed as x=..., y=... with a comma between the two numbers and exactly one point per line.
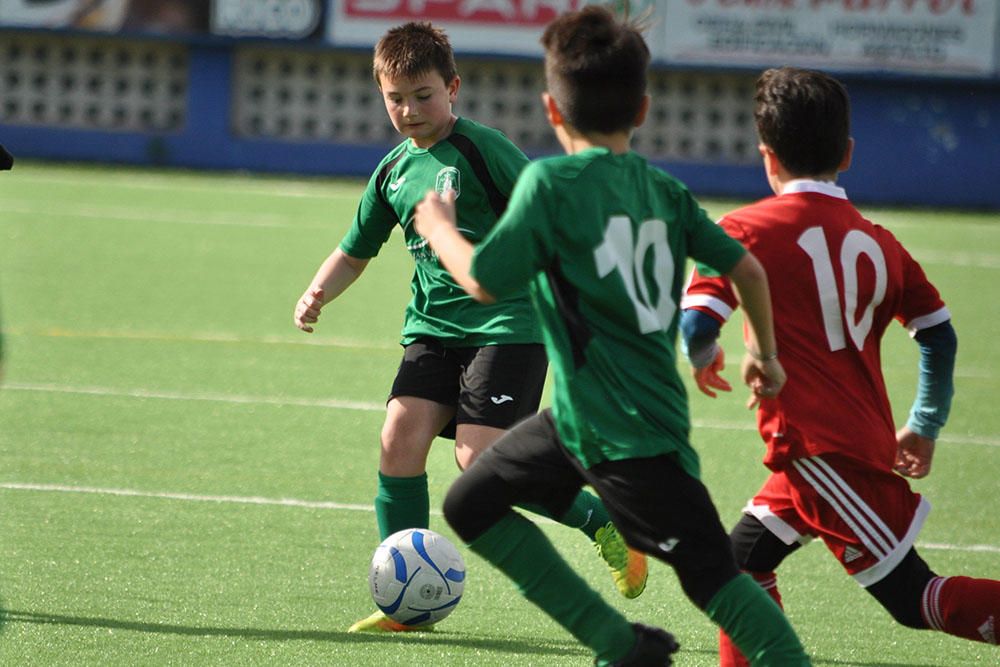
x=449, y=178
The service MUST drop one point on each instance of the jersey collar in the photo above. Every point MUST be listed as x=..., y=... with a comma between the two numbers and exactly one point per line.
x=807, y=185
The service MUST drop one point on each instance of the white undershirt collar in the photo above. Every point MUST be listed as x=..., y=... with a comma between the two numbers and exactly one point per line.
x=808, y=185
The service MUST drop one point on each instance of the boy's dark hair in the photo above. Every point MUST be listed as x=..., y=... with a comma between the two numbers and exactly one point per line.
x=595, y=69
x=804, y=116
x=411, y=50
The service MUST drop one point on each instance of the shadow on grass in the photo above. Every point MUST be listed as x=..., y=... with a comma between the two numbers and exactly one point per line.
x=525, y=646
x=855, y=663
x=436, y=638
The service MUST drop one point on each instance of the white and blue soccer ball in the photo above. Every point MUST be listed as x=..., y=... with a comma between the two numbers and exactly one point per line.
x=417, y=577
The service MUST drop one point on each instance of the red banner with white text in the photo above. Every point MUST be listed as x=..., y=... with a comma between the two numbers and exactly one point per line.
x=485, y=26
x=949, y=37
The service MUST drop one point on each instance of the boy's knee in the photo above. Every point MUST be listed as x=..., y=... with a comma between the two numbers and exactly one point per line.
x=901, y=592
x=475, y=501
x=457, y=511
x=705, y=576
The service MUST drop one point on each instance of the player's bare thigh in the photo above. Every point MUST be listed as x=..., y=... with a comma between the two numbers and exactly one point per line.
x=471, y=440
x=411, y=424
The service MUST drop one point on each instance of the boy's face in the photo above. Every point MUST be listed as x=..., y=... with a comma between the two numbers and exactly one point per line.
x=420, y=108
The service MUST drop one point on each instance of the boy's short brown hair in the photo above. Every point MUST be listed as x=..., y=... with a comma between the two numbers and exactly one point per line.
x=411, y=50
x=595, y=69
x=804, y=116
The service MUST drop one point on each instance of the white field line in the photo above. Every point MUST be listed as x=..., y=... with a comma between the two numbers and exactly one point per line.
x=978, y=260
x=324, y=505
x=241, y=500
x=750, y=426
x=355, y=405
x=159, y=215
x=178, y=396
x=294, y=339
x=166, y=183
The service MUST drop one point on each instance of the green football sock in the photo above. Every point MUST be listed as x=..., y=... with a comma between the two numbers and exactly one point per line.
x=586, y=514
x=756, y=625
x=517, y=547
x=402, y=502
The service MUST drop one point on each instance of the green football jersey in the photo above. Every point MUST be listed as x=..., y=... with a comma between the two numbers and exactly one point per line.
x=480, y=164
x=602, y=239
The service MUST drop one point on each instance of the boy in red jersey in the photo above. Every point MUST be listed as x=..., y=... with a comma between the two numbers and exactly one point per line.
x=832, y=446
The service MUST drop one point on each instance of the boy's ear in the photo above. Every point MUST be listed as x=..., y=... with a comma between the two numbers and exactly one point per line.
x=772, y=166
x=640, y=117
x=845, y=163
x=552, y=112
x=453, y=87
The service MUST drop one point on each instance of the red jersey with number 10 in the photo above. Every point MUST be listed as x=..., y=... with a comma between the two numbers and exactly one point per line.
x=836, y=281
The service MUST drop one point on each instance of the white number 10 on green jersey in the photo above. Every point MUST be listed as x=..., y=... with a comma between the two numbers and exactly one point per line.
x=619, y=250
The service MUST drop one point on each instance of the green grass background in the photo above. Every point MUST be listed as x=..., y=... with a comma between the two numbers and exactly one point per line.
x=153, y=377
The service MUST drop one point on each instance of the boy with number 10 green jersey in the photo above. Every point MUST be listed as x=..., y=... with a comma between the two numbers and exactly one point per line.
x=613, y=267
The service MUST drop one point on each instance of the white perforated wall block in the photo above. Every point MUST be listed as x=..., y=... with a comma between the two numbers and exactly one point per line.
x=93, y=83
x=330, y=96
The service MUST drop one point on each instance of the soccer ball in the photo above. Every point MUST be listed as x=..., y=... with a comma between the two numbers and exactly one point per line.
x=416, y=577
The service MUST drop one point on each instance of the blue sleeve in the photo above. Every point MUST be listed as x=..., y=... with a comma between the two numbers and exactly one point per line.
x=935, y=386
x=698, y=335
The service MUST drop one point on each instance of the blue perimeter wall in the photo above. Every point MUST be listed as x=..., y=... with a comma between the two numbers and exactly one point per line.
x=929, y=142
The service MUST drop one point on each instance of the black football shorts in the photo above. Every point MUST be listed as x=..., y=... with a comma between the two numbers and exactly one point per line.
x=492, y=385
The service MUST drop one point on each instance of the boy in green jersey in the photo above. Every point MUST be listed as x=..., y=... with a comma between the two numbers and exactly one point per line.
x=602, y=238
x=469, y=371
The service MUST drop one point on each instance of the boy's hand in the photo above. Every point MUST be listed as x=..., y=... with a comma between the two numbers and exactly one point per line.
x=307, y=309
x=435, y=210
x=764, y=377
x=708, y=378
x=913, y=454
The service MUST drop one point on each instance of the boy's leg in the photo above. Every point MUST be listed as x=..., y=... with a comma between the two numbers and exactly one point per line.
x=410, y=427
x=416, y=413
x=669, y=514
x=500, y=386
x=964, y=607
x=586, y=513
x=960, y=606
x=758, y=552
x=528, y=466
x=420, y=405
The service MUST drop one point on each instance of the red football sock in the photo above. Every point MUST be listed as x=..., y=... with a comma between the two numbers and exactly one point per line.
x=964, y=607
x=729, y=655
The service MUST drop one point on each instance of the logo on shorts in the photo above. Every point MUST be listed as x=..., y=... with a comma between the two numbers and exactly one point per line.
x=988, y=631
x=851, y=554
x=502, y=398
x=449, y=178
x=668, y=544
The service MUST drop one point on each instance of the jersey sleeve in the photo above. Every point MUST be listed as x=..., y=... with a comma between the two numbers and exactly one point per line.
x=709, y=290
x=715, y=247
x=505, y=162
x=921, y=306
x=372, y=225
x=520, y=245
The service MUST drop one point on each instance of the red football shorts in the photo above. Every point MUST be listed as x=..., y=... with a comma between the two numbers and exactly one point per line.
x=868, y=518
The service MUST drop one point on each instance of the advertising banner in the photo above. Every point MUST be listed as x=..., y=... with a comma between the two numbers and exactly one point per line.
x=484, y=26
x=160, y=17
x=948, y=37
x=282, y=19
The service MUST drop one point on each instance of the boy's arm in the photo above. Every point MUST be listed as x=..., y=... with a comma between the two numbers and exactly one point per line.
x=435, y=221
x=699, y=333
x=333, y=277
x=935, y=388
x=761, y=370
